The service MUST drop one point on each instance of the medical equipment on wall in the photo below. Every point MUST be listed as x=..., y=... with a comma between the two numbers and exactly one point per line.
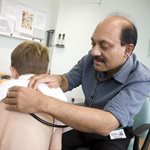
x=50, y=38
x=61, y=40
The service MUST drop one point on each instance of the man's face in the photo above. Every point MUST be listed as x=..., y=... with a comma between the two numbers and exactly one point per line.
x=108, y=54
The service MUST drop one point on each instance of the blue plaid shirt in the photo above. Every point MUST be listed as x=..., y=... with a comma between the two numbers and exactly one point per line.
x=122, y=95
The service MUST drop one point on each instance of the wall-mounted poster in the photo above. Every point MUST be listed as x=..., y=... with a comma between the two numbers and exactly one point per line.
x=22, y=20
x=25, y=21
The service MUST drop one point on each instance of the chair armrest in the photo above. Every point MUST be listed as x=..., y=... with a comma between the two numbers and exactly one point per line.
x=137, y=134
x=139, y=130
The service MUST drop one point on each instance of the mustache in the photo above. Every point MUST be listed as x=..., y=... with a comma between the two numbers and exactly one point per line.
x=99, y=59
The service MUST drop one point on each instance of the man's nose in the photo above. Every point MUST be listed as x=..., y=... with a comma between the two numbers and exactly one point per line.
x=96, y=51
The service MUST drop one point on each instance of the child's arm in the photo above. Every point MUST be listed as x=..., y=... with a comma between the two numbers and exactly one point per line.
x=56, y=138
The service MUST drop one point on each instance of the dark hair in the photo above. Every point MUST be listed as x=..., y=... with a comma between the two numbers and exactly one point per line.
x=129, y=34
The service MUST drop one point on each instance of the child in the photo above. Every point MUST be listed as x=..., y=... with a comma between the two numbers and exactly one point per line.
x=19, y=131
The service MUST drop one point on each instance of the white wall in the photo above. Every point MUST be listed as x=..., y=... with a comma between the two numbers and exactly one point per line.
x=77, y=19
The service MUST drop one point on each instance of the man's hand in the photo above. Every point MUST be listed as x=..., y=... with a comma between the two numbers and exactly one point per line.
x=53, y=81
x=24, y=99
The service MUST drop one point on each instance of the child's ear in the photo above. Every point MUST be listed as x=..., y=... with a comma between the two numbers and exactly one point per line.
x=14, y=72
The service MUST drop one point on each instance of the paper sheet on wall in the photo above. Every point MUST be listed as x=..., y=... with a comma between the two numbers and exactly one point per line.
x=9, y=13
x=5, y=26
x=39, y=24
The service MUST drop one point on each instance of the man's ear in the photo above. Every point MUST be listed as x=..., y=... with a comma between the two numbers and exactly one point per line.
x=129, y=49
x=14, y=72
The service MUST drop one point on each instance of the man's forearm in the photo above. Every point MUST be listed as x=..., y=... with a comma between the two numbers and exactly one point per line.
x=81, y=118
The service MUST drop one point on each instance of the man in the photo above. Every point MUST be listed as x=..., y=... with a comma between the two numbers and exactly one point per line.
x=22, y=131
x=115, y=85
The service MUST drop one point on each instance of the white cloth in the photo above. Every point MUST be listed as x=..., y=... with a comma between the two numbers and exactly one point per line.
x=23, y=80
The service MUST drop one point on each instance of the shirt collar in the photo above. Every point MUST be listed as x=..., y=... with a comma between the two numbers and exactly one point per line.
x=122, y=75
x=26, y=76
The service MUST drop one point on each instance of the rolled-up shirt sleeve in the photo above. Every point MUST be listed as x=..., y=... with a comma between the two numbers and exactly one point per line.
x=128, y=102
